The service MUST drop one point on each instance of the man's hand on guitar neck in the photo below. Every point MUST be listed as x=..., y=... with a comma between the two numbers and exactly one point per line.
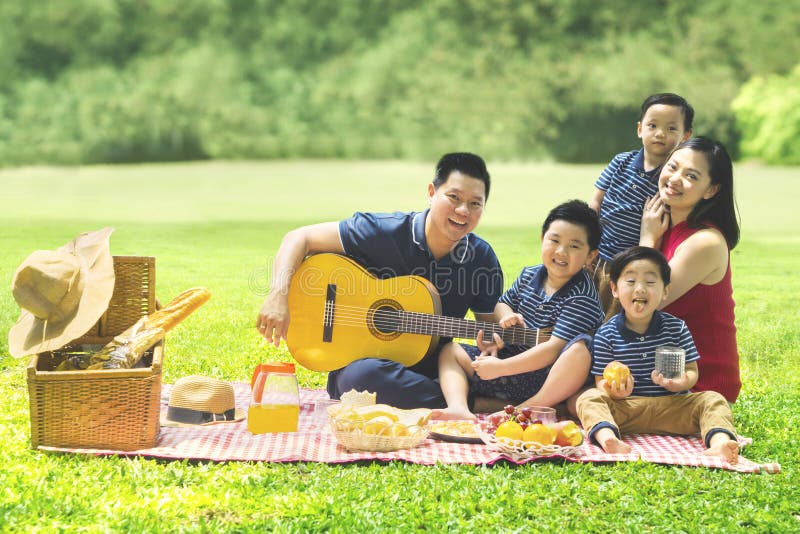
x=273, y=319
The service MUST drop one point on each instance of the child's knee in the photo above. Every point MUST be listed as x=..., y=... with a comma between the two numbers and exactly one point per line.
x=588, y=396
x=454, y=353
x=577, y=351
x=713, y=400
x=450, y=351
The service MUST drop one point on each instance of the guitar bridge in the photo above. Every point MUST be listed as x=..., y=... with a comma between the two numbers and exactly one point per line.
x=330, y=311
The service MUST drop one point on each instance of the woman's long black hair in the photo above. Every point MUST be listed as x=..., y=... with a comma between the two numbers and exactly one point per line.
x=719, y=210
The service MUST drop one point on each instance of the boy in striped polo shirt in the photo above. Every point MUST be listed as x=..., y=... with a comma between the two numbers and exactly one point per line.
x=648, y=402
x=560, y=294
x=632, y=178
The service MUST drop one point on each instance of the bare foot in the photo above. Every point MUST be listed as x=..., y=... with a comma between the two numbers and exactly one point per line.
x=453, y=413
x=613, y=445
x=727, y=450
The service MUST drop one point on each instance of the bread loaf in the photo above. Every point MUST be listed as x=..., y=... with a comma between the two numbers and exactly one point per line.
x=126, y=349
x=178, y=309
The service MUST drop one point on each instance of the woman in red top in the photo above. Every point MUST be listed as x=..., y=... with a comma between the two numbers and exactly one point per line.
x=693, y=221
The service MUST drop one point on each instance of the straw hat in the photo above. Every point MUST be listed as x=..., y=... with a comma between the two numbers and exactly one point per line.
x=200, y=400
x=61, y=293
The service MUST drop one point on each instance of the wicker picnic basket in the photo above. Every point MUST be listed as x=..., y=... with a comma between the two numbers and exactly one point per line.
x=103, y=409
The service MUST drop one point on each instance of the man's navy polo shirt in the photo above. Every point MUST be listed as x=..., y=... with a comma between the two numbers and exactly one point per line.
x=393, y=244
x=627, y=186
x=615, y=341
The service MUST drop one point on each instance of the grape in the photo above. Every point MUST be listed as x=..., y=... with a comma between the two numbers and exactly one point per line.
x=527, y=411
x=537, y=422
x=522, y=418
x=496, y=419
x=510, y=409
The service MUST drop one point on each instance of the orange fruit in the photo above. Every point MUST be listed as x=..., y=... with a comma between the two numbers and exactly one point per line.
x=616, y=372
x=541, y=434
x=510, y=430
x=567, y=434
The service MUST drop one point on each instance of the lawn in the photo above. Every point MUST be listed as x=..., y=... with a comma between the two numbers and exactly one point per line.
x=218, y=225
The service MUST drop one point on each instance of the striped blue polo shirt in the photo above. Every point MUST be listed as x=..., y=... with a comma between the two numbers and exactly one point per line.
x=571, y=311
x=627, y=188
x=615, y=341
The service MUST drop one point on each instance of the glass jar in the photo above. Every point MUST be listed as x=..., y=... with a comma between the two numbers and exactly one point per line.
x=275, y=405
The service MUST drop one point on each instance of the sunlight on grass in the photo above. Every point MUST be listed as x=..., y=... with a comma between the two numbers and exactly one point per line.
x=218, y=225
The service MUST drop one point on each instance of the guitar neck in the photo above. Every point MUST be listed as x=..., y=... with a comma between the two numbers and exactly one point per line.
x=440, y=325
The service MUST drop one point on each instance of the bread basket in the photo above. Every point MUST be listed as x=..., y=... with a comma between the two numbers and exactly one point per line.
x=350, y=434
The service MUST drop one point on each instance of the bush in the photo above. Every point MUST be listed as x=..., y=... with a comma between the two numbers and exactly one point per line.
x=768, y=116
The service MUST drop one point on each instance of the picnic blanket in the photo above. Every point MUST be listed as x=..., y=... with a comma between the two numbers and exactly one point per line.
x=316, y=443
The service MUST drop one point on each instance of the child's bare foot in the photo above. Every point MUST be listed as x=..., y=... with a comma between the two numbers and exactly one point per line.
x=614, y=445
x=453, y=413
x=727, y=450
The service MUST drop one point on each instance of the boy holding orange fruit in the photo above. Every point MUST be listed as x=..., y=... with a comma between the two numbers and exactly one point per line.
x=643, y=400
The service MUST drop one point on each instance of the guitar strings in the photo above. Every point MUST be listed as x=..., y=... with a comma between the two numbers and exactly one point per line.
x=389, y=317
x=356, y=316
x=343, y=310
x=391, y=326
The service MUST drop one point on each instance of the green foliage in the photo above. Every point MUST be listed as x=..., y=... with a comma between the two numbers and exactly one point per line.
x=768, y=115
x=175, y=212
x=232, y=79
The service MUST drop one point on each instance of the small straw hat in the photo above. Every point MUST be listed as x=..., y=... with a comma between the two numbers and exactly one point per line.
x=62, y=293
x=200, y=400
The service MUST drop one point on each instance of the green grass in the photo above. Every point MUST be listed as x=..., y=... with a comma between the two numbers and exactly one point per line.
x=218, y=224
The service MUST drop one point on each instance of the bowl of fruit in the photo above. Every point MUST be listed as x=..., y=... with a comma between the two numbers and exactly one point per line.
x=530, y=431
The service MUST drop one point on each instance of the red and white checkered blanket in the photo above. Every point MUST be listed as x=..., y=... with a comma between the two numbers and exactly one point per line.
x=232, y=442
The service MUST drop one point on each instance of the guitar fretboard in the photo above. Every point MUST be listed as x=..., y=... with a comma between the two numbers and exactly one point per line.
x=440, y=325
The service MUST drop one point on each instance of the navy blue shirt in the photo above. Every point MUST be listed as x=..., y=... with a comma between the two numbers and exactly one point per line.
x=393, y=244
x=572, y=310
x=627, y=187
x=615, y=341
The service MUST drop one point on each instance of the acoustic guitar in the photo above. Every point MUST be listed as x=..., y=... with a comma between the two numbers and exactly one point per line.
x=339, y=313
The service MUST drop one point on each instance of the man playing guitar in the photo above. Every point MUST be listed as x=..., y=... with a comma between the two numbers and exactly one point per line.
x=436, y=244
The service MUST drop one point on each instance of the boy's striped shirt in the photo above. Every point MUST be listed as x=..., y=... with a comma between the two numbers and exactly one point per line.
x=615, y=341
x=571, y=311
x=627, y=188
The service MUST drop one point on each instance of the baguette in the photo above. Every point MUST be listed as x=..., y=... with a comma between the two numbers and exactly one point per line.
x=126, y=349
x=178, y=309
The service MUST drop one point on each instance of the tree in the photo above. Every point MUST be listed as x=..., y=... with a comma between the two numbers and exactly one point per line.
x=768, y=116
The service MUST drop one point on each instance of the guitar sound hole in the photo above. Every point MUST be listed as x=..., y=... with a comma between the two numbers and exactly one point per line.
x=386, y=320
